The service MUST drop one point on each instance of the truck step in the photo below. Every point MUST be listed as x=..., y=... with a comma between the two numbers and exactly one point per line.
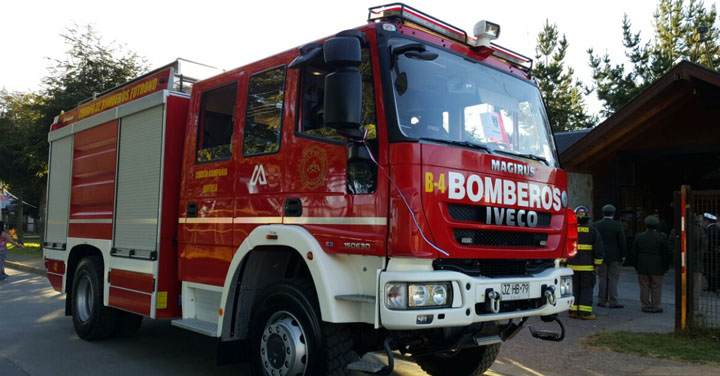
x=548, y=335
x=197, y=326
x=369, y=363
x=365, y=366
x=486, y=341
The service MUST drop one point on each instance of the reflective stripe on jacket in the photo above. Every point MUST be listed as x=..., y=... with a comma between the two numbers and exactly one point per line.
x=590, y=250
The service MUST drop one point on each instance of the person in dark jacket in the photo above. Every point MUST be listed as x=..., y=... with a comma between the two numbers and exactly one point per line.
x=710, y=257
x=651, y=257
x=613, y=236
x=586, y=261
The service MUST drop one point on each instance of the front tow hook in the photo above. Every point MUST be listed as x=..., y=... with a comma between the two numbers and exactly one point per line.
x=492, y=301
x=549, y=335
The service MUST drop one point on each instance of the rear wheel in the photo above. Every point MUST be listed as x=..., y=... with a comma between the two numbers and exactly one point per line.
x=472, y=361
x=288, y=338
x=91, y=318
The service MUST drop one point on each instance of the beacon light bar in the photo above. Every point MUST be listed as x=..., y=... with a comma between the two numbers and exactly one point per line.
x=406, y=13
x=523, y=62
x=485, y=31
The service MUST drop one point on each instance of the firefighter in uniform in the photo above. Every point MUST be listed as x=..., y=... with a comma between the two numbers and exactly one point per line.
x=585, y=263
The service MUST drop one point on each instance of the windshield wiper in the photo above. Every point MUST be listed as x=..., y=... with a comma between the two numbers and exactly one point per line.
x=467, y=144
x=528, y=156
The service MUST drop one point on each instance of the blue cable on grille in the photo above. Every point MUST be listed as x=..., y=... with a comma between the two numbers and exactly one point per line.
x=417, y=225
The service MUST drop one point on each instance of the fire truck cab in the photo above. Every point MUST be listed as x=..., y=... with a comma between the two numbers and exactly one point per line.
x=393, y=187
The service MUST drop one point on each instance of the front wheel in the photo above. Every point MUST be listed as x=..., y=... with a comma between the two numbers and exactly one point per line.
x=287, y=336
x=472, y=361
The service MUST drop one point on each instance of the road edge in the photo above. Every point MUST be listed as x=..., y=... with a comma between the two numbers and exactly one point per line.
x=23, y=267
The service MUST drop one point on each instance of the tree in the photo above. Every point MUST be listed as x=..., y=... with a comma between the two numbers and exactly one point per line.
x=701, y=40
x=90, y=66
x=612, y=85
x=682, y=31
x=22, y=164
x=563, y=95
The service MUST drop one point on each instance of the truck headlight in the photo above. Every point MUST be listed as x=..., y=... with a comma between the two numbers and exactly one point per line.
x=400, y=295
x=431, y=295
x=419, y=295
x=566, y=286
x=396, y=296
x=440, y=295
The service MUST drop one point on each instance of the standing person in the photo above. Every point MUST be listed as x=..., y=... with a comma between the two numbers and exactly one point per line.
x=5, y=237
x=584, y=264
x=710, y=265
x=651, y=257
x=613, y=236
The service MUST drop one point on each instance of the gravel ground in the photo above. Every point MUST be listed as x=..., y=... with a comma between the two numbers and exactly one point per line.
x=525, y=355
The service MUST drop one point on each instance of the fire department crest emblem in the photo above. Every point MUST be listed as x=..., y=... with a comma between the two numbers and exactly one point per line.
x=313, y=168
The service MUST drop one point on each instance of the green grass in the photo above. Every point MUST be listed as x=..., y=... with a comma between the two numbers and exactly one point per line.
x=697, y=345
x=31, y=250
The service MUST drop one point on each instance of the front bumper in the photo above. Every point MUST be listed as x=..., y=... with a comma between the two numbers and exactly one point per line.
x=470, y=299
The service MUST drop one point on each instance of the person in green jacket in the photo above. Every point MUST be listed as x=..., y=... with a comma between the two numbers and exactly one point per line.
x=651, y=257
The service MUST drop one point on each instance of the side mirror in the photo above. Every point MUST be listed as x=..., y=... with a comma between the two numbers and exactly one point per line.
x=343, y=87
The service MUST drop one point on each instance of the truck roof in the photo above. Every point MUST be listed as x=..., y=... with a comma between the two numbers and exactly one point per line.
x=179, y=75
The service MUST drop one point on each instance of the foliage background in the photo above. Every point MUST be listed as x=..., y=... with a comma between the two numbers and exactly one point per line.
x=682, y=30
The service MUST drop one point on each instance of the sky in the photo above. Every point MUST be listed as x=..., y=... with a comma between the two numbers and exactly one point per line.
x=229, y=34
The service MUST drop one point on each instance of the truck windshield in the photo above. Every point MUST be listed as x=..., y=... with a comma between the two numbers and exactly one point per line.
x=447, y=98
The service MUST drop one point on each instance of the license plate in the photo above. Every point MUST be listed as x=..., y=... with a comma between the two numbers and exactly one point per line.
x=515, y=291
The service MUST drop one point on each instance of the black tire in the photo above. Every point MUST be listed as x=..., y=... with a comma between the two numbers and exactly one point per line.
x=473, y=361
x=328, y=346
x=127, y=324
x=91, y=318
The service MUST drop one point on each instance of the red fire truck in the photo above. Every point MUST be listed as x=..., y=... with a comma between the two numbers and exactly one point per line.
x=394, y=187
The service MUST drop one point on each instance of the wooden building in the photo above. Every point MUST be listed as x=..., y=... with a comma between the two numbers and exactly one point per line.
x=667, y=136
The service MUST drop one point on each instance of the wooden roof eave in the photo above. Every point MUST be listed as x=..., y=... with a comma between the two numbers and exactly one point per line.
x=603, y=139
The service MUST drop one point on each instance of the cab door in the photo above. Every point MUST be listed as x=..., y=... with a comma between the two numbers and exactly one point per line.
x=262, y=159
x=208, y=192
x=341, y=195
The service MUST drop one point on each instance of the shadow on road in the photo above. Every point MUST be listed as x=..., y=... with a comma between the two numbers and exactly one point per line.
x=38, y=340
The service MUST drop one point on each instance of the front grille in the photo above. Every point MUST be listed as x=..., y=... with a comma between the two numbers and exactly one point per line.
x=494, y=268
x=474, y=213
x=500, y=238
x=512, y=305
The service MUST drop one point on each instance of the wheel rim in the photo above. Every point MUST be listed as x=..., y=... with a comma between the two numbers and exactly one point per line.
x=283, y=348
x=84, y=300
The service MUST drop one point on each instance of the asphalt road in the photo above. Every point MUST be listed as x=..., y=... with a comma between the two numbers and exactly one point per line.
x=37, y=339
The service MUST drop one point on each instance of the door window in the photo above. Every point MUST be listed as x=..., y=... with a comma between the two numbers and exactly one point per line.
x=215, y=133
x=263, y=119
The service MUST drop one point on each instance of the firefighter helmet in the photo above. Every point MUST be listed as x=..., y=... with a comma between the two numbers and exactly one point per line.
x=582, y=212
